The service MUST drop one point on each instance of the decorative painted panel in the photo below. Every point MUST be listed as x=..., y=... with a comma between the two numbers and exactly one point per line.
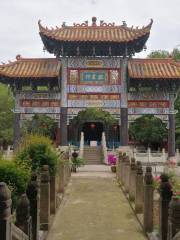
x=148, y=104
x=73, y=76
x=84, y=62
x=142, y=111
x=94, y=89
x=114, y=76
x=39, y=103
x=24, y=116
x=94, y=103
x=94, y=97
x=38, y=110
x=148, y=96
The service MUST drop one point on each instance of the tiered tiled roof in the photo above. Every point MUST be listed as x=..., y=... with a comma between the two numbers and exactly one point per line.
x=154, y=69
x=31, y=68
x=94, y=33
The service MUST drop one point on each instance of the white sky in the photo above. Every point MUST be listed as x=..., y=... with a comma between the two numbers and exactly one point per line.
x=19, y=21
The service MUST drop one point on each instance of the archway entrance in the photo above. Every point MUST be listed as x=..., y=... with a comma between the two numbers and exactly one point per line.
x=93, y=121
x=92, y=131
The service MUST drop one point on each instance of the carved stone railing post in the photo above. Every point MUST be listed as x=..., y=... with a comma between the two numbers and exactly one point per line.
x=45, y=198
x=127, y=172
x=23, y=219
x=174, y=217
x=165, y=197
x=132, y=180
x=34, y=199
x=123, y=169
x=139, y=189
x=148, y=200
x=61, y=178
x=118, y=166
x=5, y=212
x=53, y=194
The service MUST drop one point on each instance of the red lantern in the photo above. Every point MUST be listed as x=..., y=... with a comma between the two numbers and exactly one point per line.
x=92, y=125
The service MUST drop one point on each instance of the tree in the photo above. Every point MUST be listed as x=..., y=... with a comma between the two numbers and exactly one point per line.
x=94, y=114
x=148, y=131
x=159, y=54
x=6, y=116
x=175, y=54
x=42, y=125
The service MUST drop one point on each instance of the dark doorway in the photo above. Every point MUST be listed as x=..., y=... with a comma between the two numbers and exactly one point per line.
x=92, y=131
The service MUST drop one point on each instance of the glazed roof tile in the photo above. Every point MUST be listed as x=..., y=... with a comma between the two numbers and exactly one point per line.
x=154, y=69
x=94, y=33
x=31, y=68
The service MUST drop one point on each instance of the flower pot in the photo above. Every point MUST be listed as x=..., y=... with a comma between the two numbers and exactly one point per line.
x=113, y=168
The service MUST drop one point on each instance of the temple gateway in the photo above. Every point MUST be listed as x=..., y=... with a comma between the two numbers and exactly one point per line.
x=93, y=67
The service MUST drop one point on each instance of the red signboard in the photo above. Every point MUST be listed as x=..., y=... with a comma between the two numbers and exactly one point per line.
x=39, y=103
x=148, y=104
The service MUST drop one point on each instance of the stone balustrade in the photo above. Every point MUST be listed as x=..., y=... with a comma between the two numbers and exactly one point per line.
x=157, y=211
x=43, y=195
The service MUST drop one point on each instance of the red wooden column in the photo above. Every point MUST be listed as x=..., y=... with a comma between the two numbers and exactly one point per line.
x=172, y=125
x=64, y=103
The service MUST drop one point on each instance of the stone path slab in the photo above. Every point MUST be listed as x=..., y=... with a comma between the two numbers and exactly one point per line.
x=94, y=208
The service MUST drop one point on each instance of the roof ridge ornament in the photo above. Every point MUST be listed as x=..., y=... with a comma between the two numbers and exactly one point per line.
x=18, y=57
x=94, y=19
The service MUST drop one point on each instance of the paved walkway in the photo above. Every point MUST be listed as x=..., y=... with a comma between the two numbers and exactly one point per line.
x=94, y=208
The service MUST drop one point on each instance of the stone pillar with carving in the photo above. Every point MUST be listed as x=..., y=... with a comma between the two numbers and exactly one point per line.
x=148, y=200
x=45, y=198
x=174, y=218
x=132, y=180
x=5, y=212
x=139, y=188
x=23, y=219
x=64, y=104
x=127, y=173
x=124, y=104
x=165, y=197
x=61, y=178
x=34, y=199
x=53, y=194
x=171, y=127
x=122, y=170
x=118, y=167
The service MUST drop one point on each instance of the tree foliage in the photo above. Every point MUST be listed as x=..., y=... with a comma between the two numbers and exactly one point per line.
x=15, y=177
x=41, y=125
x=175, y=54
x=148, y=131
x=94, y=114
x=6, y=115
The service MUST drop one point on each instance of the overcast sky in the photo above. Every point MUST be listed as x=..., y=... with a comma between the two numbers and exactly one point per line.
x=19, y=21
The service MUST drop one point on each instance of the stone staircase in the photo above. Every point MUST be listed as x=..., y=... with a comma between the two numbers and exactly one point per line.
x=92, y=155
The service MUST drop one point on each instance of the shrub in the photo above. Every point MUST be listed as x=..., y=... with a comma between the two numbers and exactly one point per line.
x=16, y=178
x=36, y=151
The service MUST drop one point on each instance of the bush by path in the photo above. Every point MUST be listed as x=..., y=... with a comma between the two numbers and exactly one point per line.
x=15, y=177
x=36, y=151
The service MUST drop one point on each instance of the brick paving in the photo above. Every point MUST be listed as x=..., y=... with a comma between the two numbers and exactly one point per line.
x=94, y=208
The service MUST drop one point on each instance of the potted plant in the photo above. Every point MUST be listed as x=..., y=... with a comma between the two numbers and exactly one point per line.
x=112, y=161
